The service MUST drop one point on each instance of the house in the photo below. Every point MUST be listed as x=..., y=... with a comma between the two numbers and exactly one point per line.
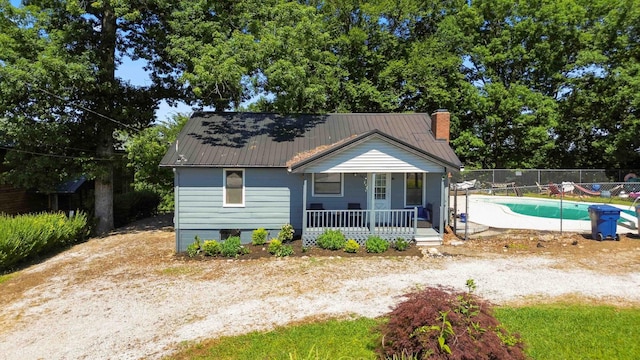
x=383, y=174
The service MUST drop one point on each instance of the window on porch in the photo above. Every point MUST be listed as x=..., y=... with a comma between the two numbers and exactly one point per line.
x=327, y=184
x=414, y=186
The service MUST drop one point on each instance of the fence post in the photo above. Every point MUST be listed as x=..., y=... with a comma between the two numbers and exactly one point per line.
x=455, y=210
x=466, y=211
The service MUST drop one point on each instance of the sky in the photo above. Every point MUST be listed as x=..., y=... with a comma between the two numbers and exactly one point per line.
x=134, y=72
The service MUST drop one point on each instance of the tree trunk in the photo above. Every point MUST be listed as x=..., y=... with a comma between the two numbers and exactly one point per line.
x=106, y=77
x=104, y=185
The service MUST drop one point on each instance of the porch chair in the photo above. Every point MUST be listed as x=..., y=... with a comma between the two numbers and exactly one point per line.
x=424, y=215
x=355, y=217
x=317, y=219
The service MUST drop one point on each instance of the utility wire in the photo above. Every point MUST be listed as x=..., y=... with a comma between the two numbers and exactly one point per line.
x=53, y=155
x=72, y=103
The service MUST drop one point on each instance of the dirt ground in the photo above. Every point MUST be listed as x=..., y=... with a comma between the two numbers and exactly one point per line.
x=577, y=249
x=128, y=295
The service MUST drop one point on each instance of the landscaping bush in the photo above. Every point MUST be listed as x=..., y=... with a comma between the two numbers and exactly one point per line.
x=211, y=247
x=232, y=247
x=401, y=244
x=331, y=239
x=286, y=233
x=351, y=246
x=376, y=244
x=441, y=323
x=274, y=245
x=276, y=248
x=134, y=205
x=193, y=249
x=259, y=236
x=26, y=236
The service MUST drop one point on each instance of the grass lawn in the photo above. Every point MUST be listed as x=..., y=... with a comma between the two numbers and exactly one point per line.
x=576, y=332
x=550, y=332
x=332, y=339
x=6, y=277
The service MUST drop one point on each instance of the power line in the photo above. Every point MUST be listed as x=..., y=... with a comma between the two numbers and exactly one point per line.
x=53, y=155
x=72, y=103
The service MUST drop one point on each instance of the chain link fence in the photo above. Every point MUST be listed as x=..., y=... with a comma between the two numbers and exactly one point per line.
x=480, y=204
x=544, y=176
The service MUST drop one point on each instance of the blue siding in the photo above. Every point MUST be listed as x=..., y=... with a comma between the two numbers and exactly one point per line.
x=273, y=197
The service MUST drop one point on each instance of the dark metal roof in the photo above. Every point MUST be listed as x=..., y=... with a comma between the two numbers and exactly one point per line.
x=270, y=140
x=71, y=186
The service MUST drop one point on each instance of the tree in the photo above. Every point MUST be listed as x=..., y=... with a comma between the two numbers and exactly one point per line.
x=602, y=101
x=60, y=97
x=145, y=150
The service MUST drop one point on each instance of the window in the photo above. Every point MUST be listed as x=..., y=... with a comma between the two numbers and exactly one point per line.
x=327, y=184
x=234, y=187
x=413, y=185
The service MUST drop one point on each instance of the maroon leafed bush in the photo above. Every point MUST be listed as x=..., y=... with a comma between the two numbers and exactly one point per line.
x=440, y=323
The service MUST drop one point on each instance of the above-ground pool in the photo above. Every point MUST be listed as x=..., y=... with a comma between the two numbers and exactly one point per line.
x=539, y=214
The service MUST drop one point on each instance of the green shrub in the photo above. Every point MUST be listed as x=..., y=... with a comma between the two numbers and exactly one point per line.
x=331, y=239
x=276, y=248
x=211, y=247
x=351, y=246
x=286, y=233
x=376, y=244
x=447, y=324
x=134, y=205
x=259, y=236
x=193, y=249
x=26, y=236
x=232, y=247
x=401, y=244
x=285, y=250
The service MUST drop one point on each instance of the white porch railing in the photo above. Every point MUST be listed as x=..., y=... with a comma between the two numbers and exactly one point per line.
x=360, y=224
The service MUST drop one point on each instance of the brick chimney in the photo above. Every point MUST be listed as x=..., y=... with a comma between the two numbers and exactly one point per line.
x=440, y=121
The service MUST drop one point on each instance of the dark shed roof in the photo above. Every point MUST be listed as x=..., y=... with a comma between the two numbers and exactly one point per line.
x=272, y=140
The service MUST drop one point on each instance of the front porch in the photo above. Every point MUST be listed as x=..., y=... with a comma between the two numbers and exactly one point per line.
x=360, y=224
x=373, y=185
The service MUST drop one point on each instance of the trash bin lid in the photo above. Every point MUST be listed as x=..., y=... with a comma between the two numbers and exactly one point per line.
x=603, y=209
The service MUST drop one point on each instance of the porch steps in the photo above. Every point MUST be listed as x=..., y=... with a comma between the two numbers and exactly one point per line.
x=428, y=237
x=428, y=241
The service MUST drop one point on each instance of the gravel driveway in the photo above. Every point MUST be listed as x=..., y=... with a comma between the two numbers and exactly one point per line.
x=126, y=296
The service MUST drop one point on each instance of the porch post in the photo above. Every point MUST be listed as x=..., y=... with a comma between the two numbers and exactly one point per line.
x=304, y=206
x=442, y=205
x=372, y=220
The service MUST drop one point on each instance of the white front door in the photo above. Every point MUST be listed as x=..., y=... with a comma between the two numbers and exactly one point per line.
x=381, y=192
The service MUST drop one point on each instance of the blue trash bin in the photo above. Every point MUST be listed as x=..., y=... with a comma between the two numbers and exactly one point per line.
x=604, y=222
x=463, y=217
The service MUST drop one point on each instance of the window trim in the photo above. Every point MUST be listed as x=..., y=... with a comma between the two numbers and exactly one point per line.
x=313, y=187
x=224, y=188
x=422, y=193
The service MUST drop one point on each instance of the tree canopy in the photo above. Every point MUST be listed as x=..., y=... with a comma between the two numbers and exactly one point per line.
x=529, y=83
